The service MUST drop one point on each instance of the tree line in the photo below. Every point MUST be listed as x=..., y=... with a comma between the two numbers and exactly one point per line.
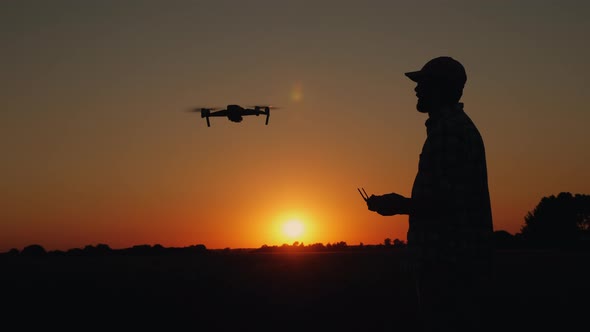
x=559, y=221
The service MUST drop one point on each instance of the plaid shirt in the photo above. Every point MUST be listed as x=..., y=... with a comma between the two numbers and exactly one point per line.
x=452, y=219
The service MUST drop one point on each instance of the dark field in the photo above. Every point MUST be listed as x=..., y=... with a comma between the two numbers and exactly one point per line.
x=217, y=290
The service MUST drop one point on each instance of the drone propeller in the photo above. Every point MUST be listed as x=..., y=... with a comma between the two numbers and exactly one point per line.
x=200, y=109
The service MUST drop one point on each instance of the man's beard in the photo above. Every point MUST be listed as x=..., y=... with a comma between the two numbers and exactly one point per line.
x=422, y=106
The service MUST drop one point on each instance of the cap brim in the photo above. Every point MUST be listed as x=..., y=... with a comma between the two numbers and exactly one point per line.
x=415, y=75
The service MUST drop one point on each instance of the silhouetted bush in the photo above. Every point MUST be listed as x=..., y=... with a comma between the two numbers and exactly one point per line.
x=12, y=252
x=197, y=248
x=558, y=221
x=397, y=243
x=33, y=250
x=75, y=252
x=57, y=253
x=98, y=250
x=504, y=240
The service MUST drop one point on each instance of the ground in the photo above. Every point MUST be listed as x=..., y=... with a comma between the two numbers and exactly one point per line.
x=225, y=290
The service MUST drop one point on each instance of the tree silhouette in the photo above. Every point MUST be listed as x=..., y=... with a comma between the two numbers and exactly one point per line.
x=397, y=243
x=558, y=221
x=505, y=240
x=33, y=250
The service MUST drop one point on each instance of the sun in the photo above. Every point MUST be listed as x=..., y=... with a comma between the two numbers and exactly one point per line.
x=293, y=228
x=292, y=225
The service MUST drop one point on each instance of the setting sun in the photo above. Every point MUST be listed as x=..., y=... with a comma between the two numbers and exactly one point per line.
x=290, y=225
x=293, y=228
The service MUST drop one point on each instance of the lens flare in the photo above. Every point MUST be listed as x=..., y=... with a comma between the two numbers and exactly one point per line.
x=296, y=93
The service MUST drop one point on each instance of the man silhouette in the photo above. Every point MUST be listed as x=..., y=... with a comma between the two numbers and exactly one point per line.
x=450, y=221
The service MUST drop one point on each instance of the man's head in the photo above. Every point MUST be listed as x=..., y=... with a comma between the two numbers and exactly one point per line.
x=440, y=83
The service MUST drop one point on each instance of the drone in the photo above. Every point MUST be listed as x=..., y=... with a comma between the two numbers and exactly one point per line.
x=234, y=113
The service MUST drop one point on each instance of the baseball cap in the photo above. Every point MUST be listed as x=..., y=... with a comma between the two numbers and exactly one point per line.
x=443, y=68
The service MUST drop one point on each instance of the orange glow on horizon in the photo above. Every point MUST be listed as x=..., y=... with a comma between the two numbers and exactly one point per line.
x=291, y=226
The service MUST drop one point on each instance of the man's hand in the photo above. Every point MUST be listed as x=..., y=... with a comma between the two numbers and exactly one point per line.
x=389, y=204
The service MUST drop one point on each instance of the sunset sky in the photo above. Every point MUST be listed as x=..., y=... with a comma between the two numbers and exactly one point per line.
x=97, y=145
